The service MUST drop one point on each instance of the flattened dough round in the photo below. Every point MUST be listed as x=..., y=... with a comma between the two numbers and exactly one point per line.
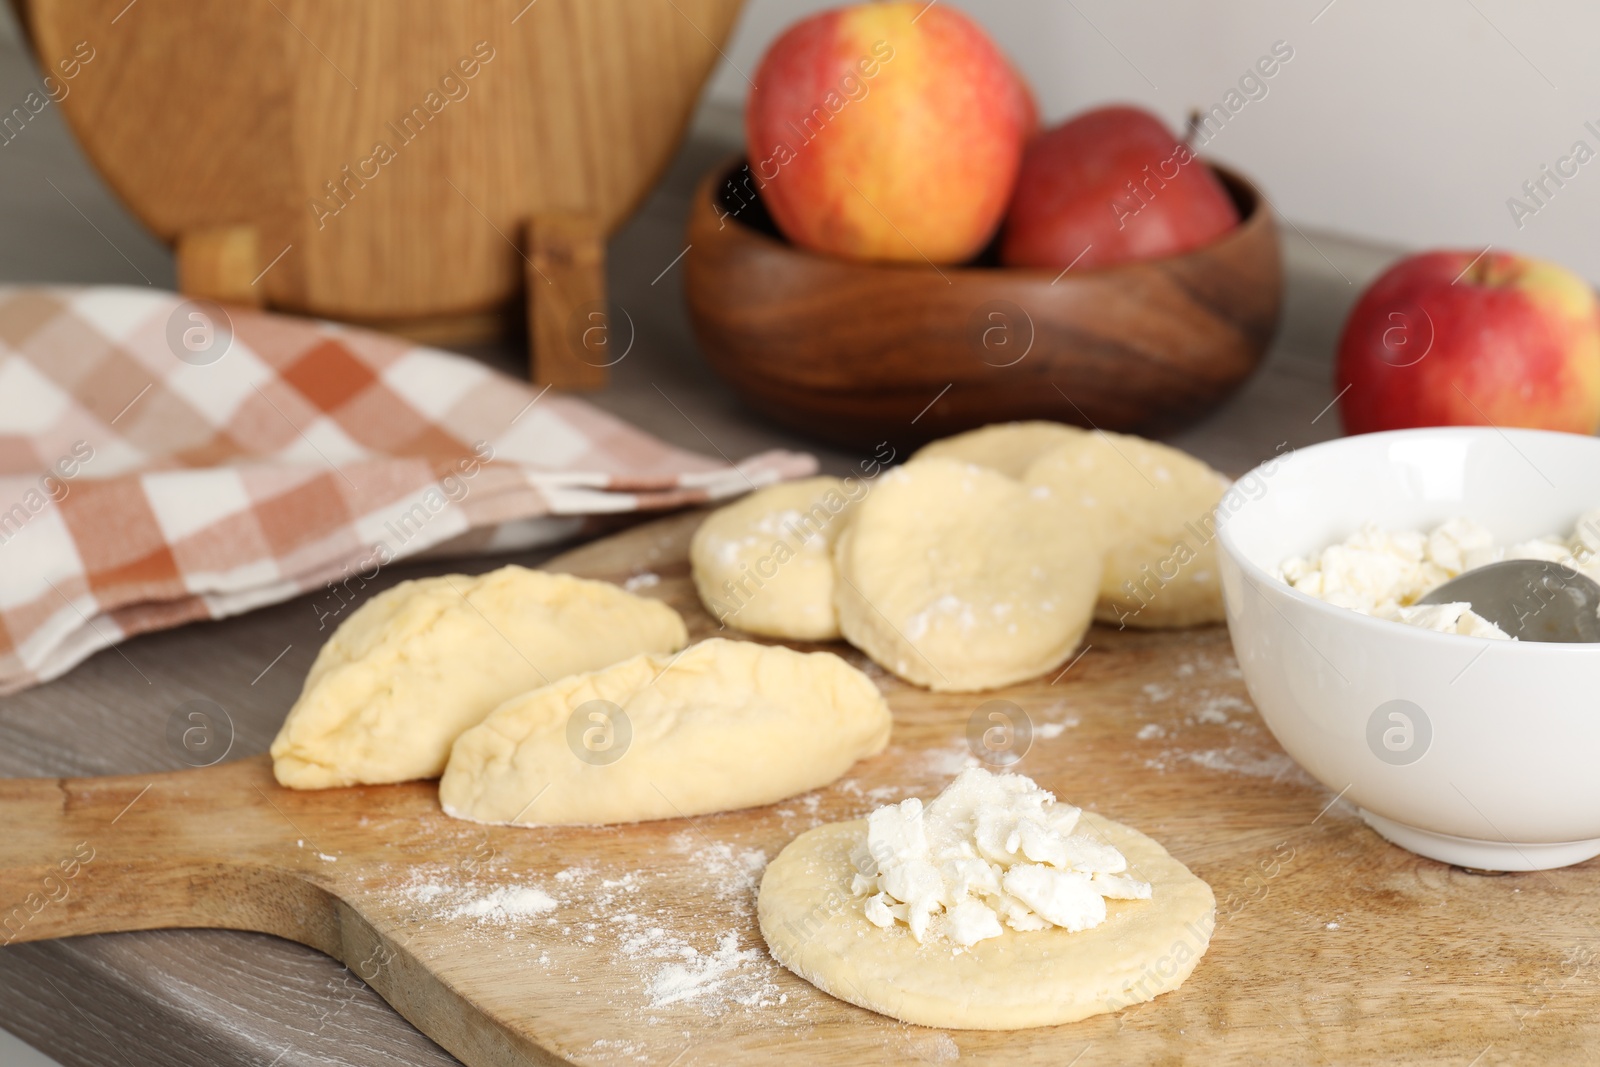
x=765, y=563
x=1154, y=508
x=958, y=578
x=413, y=667
x=1008, y=447
x=726, y=725
x=815, y=927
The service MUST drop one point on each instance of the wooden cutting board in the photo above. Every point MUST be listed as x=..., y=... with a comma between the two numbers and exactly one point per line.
x=1330, y=946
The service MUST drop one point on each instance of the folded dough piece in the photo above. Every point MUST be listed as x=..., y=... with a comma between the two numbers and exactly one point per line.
x=1008, y=447
x=957, y=578
x=765, y=563
x=416, y=665
x=725, y=725
x=1155, y=509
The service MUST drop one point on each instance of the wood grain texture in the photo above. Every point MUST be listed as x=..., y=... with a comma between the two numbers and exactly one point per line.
x=1330, y=945
x=567, y=316
x=268, y=113
x=61, y=993
x=839, y=349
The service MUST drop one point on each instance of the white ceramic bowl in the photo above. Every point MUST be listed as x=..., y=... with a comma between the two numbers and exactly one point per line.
x=1480, y=753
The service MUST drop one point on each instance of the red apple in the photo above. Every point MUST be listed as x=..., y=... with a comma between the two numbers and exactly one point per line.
x=1469, y=339
x=1110, y=186
x=887, y=131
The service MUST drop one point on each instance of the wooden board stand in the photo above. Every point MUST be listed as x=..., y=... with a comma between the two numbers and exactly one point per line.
x=569, y=326
x=220, y=263
x=377, y=161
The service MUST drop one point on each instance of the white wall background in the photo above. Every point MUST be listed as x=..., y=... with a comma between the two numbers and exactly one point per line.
x=1408, y=122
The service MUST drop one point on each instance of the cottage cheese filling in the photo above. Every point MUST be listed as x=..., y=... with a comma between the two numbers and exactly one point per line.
x=991, y=848
x=1384, y=573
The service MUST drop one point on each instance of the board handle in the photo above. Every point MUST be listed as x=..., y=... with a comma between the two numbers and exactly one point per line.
x=142, y=852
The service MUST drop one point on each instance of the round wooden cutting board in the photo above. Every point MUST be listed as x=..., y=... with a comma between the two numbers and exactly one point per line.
x=411, y=165
x=639, y=944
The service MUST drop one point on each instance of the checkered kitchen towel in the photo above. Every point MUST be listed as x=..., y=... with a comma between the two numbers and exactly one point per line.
x=161, y=462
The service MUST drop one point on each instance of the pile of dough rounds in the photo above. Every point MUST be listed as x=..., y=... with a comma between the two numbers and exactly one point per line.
x=1154, y=509
x=418, y=664
x=765, y=563
x=813, y=918
x=1008, y=447
x=725, y=725
x=958, y=578
x=982, y=560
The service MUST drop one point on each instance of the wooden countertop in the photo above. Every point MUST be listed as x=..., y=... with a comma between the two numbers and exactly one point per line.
x=208, y=997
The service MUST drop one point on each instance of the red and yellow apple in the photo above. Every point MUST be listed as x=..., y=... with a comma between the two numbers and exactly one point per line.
x=1468, y=339
x=1111, y=186
x=887, y=132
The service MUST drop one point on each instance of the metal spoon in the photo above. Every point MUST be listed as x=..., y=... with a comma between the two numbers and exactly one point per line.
x=1530, y=599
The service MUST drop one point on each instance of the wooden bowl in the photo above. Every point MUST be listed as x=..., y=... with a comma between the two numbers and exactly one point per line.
x=855, y=353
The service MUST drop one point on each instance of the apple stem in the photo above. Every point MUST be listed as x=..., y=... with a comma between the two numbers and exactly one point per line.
x=1191, y=127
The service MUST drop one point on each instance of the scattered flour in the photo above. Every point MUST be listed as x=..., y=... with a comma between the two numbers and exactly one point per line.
x=951, y=760
x=1149, y=731
x=733, y=872
x=505, y=904
x=679, y=968
x=1234, y=760
x=647, y=580
x=612, y=1047
x=629, y=918
x=1215, y=707
x=701, y=974
x=427, y=894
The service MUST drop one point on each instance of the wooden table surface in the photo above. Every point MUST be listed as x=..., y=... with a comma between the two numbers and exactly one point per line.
x=208, y=997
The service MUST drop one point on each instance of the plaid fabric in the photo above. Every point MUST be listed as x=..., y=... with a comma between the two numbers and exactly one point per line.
x=155, y=470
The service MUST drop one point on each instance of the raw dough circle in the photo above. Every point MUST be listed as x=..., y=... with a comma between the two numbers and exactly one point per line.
x=1008, y=447
x=958, y=578
x=1155, y=509
x=724, y=725
x=815, y=927
x=765, y=563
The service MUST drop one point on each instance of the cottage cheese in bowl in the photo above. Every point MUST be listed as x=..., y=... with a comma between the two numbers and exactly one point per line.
x=1384, y=573
x=1476, y=752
